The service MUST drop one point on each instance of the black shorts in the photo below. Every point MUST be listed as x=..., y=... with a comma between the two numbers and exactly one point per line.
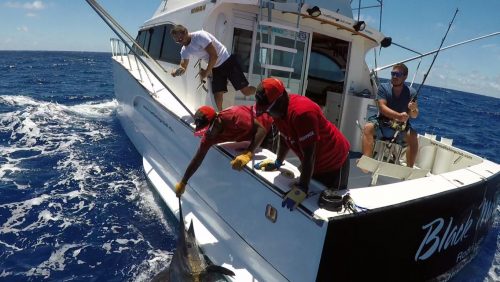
x=229, y=70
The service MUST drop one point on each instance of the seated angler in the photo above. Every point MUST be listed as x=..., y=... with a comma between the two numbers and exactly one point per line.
x=397, y=104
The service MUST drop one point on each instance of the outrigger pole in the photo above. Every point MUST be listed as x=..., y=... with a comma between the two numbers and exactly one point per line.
x=437, y=50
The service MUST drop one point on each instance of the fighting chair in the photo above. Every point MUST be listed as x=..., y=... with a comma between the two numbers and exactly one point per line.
x=389, y=158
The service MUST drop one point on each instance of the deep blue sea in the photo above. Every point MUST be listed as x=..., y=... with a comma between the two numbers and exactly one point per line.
x=74, y=203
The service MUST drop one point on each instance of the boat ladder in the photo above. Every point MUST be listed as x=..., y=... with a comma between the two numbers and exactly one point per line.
x=268, y=43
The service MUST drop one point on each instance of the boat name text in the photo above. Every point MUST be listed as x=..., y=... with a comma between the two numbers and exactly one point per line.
x=439, y=239
x=198, y=9
x=158, y=118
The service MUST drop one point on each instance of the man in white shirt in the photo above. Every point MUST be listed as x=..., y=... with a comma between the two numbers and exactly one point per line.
x=221, y=64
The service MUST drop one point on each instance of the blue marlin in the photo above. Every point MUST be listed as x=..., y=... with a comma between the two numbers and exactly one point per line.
x=188, y=262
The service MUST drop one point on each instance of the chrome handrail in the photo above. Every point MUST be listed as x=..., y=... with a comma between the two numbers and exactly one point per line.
x=121, y=33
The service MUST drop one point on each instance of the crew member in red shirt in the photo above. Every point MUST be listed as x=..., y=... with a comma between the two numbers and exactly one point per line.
x=322, y=149
x=237, y=123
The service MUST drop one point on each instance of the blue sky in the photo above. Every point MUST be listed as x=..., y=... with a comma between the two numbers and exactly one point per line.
x=419, y=25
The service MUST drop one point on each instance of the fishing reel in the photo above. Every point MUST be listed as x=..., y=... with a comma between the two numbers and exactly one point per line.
x=397, y=125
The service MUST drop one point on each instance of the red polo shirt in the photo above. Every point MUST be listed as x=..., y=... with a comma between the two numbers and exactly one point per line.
x=237, y=124
x=304, y=124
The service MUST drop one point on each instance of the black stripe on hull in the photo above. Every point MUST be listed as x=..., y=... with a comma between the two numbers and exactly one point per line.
x=430, y=238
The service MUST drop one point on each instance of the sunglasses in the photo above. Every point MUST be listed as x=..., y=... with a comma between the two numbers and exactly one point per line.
x=178, y=37
x=397, y=74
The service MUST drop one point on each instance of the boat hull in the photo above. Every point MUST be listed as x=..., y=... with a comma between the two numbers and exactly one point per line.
x=422, y=239
x=425, y=239
x=252, y=246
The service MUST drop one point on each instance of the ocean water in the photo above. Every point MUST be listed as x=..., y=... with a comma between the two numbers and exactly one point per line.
x=74, y=203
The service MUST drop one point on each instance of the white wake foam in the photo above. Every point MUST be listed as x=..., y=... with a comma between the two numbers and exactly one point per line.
x=66, y=137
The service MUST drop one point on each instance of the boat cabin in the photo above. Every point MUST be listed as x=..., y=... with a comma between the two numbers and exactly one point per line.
x=318, y=58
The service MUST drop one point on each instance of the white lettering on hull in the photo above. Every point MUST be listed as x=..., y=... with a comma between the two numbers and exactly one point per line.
x=438, y=239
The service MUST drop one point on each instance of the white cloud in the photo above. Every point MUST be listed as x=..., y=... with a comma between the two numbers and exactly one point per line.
x=35, y=5
x=23, y=28
x=495, y=85
x=369, y=20
x=31, y=15
x=490, y=45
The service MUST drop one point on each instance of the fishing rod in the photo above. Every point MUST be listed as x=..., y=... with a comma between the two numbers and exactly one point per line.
x=401, y=126
x=435, y=56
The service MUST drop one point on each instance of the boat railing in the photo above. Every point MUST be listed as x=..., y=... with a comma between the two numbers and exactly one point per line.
x=139, y=54
x=122, y=52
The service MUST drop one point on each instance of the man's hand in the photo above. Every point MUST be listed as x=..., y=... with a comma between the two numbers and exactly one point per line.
x=180, y=187
x=403, y=117
x=240, y=161
x=293, y=198
x=204, y=73
x=412, y=106
x=268, y=165
x=178, y=71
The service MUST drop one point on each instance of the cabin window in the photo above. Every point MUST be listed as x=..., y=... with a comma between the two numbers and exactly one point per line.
x=242, y=47
x=281, y=58
x=156, y=41
x=326, y=73
x=259, y=55
x=140, y=40
x=323, y=67
x=171, y=51
x=147, y=39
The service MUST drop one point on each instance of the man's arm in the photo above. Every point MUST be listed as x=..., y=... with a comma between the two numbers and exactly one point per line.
x=282, y=150
x=212, y=60
x=390, y=113
x=307, y=166
x=181, y=69
x=260, y=134
x=195, y=163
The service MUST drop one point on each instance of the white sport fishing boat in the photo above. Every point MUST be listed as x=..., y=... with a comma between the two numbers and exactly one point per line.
x=422, y=223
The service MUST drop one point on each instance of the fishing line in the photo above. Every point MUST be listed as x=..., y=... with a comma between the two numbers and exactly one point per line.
x=433, y=126
x=435, y=56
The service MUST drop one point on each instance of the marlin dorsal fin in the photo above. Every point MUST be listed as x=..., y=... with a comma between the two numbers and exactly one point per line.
x=191, y=229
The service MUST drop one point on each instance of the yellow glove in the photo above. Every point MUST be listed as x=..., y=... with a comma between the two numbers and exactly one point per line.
x=240, y=161
x=293, y=198
x=180, y=187
x=268, y=165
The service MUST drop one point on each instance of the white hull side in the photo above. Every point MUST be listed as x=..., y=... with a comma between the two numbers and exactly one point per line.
x=252, y=242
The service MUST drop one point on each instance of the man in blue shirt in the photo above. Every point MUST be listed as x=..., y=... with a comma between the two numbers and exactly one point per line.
x=396, y=105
